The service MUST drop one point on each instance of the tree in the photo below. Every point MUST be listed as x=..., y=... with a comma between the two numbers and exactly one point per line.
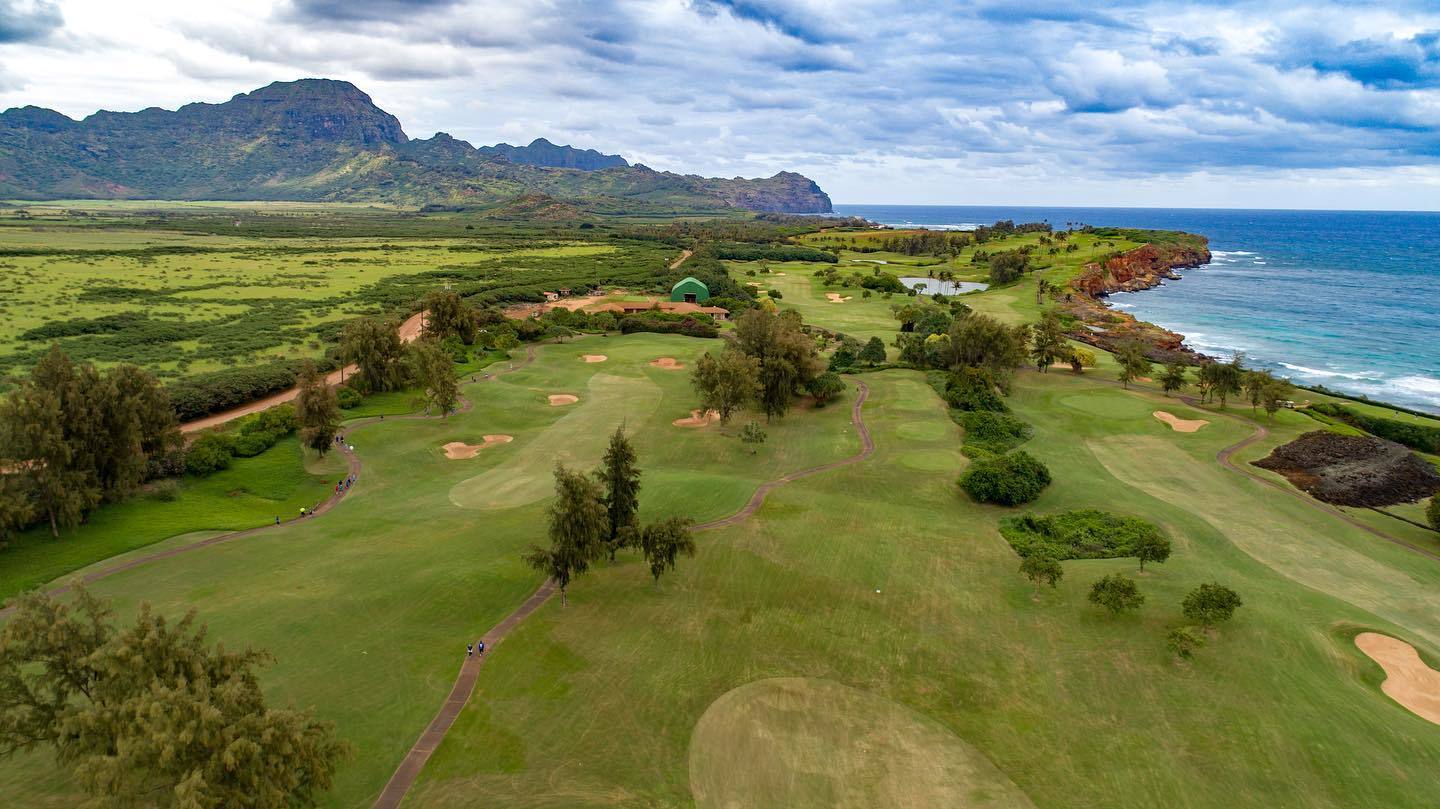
x=1116, y=593
x=447, y=314
x=34, y=436
x=435, y=370
x=874, y=352
x=1151, y=546
x=620, y=479
x=152, y=714
x=16, y=507
x=1133, y=362
x=1173, y=379
x=1008, y=480
x=981, y=341
x=788, y=359
x=1211, y=604
x=579, y=524
x=1008, y=266
x=727, y=384
x=316, y=410
x=1080, y=359
x=1041, y=568
x=1274, y=395
x=1047, y=341
x=1183, y=642
x=374, y=346
x=664, y=541
x=142, y=394
x=754, y=435
x=1253, y=383
x=825, y=387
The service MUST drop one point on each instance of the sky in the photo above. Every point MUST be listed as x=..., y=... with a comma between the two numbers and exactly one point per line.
x=1261, y=103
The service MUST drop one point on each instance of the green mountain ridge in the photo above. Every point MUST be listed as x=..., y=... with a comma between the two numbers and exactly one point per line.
x=325, y=140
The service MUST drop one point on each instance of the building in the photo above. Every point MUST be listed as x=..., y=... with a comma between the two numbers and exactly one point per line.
x=689, y=290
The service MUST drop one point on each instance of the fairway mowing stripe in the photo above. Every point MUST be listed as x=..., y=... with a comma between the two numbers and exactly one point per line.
x=352, y=461
x=414, y=761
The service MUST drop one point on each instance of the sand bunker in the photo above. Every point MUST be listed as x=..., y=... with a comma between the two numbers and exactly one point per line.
x=1178, y=424
x=1408, y=680
x=698, y=419
x=594, y=358
x=558, y=399
x=836, y=297
x=668, y=363
x=459, y=450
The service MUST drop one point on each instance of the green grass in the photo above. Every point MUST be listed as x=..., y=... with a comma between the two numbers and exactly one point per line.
x=887, y=596
x=252, y=492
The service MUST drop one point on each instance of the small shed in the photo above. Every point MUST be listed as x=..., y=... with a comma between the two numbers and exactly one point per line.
x=689, y=290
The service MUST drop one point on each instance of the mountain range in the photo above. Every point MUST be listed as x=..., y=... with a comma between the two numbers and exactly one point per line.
x=325, y=140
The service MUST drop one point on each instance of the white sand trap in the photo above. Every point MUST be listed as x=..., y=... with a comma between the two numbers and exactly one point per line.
x=459, y=450
x=1408, y=680
x=698, y=419
x=777, y=273
x=1178, y=424
x=594, y=358
x=559, y=399
x=836, y=297
x=668, y=363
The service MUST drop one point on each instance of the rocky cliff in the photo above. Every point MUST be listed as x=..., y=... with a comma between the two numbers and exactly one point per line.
x=318, y=139
x=1142, y=268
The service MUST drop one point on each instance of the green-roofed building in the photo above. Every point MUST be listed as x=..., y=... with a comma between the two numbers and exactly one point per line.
x=689, y=290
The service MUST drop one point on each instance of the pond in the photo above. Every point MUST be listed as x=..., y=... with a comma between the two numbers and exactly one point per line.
x=932, y=286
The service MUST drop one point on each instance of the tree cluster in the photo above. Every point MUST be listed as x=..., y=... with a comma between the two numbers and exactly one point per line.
x=72, y=437
x=597, y=515
x=769, y=361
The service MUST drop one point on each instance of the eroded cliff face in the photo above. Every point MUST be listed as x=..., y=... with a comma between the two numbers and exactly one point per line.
x=1142, y=268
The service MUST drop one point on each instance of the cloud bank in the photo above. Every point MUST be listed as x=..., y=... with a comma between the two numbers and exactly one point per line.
x=1304, y=103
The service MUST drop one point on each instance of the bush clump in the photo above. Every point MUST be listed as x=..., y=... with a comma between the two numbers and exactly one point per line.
x=1082, y=534
x=992, y=432
x=1006, y=480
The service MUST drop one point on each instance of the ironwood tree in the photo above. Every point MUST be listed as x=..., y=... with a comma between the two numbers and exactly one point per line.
x=374, y=346
x=620, y=478
x=727, y=384
x=316, y=410
x=152, y=714
x=446, y=314
x=664, y=541
x=1133, y=362
x=787, y=356
x=579, y=524
x=1173, y=378
x=435, y=371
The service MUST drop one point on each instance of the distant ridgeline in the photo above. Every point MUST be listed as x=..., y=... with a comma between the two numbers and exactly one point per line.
x=324, y=140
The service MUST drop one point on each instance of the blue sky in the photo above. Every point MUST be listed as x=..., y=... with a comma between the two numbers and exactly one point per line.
x=1299, y=103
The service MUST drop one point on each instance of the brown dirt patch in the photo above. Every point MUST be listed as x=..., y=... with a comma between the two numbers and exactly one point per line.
x=594, y=358
x=698, y=419
x=1408, y=680
x=668, y=363
x=559, y=399
x=459, y=450
x=1352, y=470
x=836, y=297
x=1178, y=424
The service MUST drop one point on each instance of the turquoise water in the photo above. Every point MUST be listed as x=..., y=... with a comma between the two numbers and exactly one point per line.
x=1344, y=299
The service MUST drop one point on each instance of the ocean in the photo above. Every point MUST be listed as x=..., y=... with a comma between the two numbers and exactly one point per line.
x=1335, y=298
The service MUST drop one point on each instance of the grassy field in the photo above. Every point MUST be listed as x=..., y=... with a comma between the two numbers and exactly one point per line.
x=863, y=640
x=189, y=289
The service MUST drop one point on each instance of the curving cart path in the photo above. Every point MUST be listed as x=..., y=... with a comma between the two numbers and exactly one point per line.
x=414, y=761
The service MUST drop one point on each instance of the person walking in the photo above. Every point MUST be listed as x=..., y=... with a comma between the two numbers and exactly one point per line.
x=469, y=650
x=481, y=647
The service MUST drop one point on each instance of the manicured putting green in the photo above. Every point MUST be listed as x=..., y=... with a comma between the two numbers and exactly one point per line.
x=795, y=741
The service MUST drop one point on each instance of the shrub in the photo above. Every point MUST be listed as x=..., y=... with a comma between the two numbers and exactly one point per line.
x=210, y=453
x=973, y=388
x=1007, y=480
x=165, y=491
x=996, y=433
x=1183, y=642
x=1082, y=534
x=1116, y=593
x=348, y=397
x=1432, y=512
